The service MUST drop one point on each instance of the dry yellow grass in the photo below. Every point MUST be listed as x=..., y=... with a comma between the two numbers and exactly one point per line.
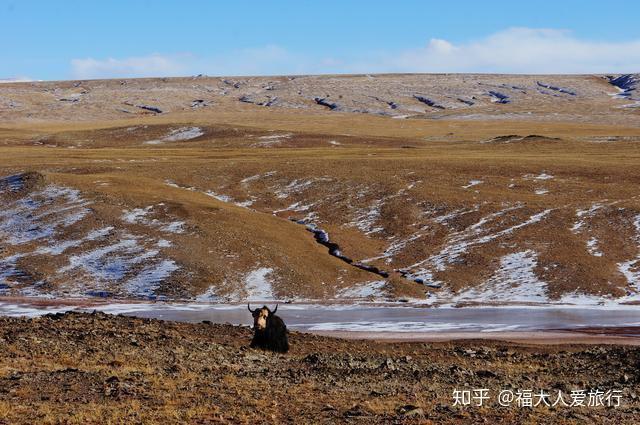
x=404, y=173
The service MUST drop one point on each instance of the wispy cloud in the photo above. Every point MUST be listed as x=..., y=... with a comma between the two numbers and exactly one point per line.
x=21, y=79
x=270, y=59
x=514, y=50
x=155, y=65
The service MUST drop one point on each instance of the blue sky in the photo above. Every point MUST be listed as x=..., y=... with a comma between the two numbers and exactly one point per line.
x=90, y=39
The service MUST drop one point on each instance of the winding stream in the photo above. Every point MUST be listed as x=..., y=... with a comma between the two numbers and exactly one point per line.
x=322, y=237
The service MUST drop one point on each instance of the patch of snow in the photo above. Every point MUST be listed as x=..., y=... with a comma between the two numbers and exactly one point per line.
x=149, y=279
x=295, y=207
x=178, y=134
x=163, y=243
x=472, y=183
x=210, y=295
x=111, y=262
x=136, y=215
x=514, y=281
x=582, y=215
x=228, y=199
x=40, y=215
x=258, y=286
x=9, y=269
x=139, y=216
x=581, y=299
x=364, y=290
x=592, y=247
x=267, y=141
x=541, y=191
x=222, y=198
x=275, y=136
x=257, y=177
x=460, y=242
x=310, y=217
x=295, y=186
x=366, y=218
x=442, y=219
x=394, y=248
x=58, y=248
x=542, y=176
x=245, y=204
x=173, y=227
x=631, y=269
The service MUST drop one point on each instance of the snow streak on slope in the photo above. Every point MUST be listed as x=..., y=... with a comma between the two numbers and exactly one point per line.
x=258, y=285
x=514, y=281
x=366, y=290
x=41, y=214
x=51, y=240
x=631, y=268
x=460, y=242
x=140, y=216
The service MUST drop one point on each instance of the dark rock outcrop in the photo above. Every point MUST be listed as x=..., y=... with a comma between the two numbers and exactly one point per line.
x=427, y=101
x=498, y=97
x=556, y=88
x=324, y=102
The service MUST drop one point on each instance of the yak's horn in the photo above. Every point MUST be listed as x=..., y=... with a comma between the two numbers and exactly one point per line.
x=275, y=309
x=249, y=307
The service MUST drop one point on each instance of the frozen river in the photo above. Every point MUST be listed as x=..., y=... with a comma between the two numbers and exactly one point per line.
x=362, y=317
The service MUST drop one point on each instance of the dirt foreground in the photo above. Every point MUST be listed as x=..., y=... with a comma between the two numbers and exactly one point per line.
x=98, y=368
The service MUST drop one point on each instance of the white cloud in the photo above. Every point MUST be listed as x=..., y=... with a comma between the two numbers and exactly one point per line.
x=521, y=50
x=16, y=80
x=144, y=66
x=514, y=50
x=265, y=60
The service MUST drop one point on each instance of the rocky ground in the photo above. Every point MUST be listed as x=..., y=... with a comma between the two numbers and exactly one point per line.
x=97, y=368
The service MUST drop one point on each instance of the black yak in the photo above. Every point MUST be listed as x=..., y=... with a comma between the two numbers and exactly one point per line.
x=270, y=332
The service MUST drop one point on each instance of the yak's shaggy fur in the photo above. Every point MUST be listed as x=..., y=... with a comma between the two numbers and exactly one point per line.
x=270, y=332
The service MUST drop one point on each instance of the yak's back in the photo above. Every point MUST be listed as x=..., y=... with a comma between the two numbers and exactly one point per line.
x=277, y=338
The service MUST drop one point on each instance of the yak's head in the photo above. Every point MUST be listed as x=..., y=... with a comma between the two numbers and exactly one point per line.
x=260, y=316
